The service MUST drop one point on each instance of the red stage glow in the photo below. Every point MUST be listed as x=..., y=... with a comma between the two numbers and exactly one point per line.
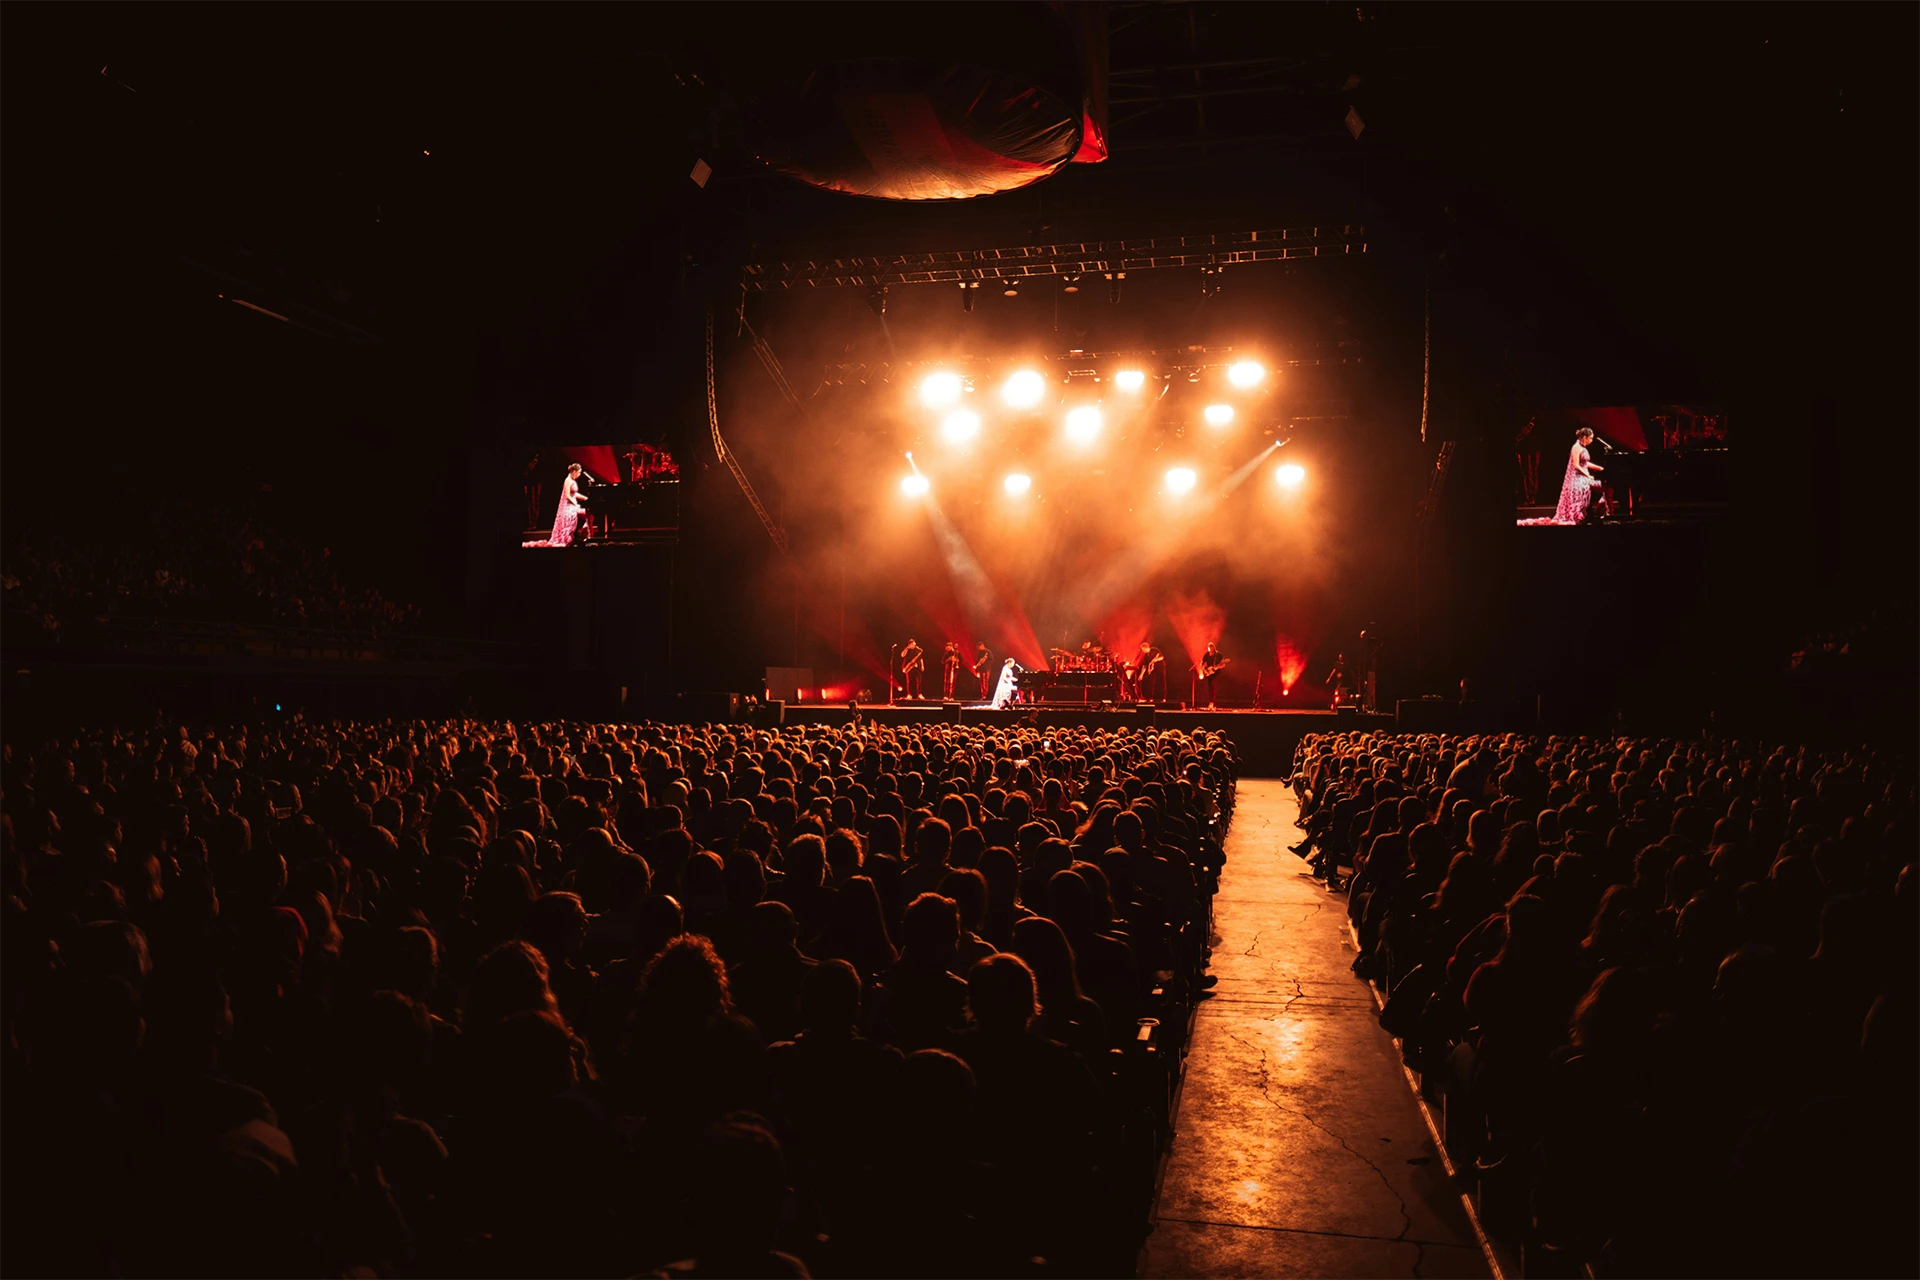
x=1198, y=621
x=1125, y=630
x=1292, y=662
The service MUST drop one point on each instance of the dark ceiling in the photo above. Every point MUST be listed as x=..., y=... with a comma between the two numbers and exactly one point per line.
x=445, y=216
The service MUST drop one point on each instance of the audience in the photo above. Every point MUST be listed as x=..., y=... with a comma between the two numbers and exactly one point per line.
x=1667, y=989
x=486, y=998
x=215, y=563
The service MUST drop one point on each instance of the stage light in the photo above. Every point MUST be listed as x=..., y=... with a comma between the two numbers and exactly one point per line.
x=940, y=390
x=1070, y=282
x=1129, y=380
x=1246, y=373
x=1219, y=415
x=1289, y=475
x=914, y=485
x=1024, y=389
x=877, y=300
x=1180, y=480
x=1114, y=279
x=1083, y=424
x=1017, y=484
x=960, y=426
x=1012, y=290
x=969, y=290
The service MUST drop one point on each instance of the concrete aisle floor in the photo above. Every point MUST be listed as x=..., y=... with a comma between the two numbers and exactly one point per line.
x=1298, y=1147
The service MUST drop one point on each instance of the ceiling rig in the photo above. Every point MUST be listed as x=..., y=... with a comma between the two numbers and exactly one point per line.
x=1110, y=259
x=1169, y=363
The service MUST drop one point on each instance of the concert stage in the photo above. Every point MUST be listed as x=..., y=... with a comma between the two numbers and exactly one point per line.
x=1264, y=740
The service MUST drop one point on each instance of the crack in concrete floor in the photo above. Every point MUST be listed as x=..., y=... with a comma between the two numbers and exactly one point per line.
x=1400, y=1201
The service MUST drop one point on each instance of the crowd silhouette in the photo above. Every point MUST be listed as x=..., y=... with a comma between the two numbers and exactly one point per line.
x=477, y=998
x=211, y=562
x=1665, y=991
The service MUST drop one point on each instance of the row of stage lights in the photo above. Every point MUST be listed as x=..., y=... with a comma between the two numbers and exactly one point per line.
x=1024, y=389
x=1179, y=481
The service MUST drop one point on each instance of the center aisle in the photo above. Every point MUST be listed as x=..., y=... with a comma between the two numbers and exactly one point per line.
x=1298, y=1147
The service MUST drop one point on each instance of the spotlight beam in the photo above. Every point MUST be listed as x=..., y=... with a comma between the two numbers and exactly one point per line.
x=1127, y=574
x=986, y=611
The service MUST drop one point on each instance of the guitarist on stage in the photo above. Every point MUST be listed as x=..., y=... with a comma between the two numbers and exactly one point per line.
x=1150, y=663
x=1211, y=663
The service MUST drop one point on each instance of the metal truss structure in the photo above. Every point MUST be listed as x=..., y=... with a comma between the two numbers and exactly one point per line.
x=1090, y=258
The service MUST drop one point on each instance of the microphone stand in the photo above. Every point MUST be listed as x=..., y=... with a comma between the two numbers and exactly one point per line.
x=891, y=651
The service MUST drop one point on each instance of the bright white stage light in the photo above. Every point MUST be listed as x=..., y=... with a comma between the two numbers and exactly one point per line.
x=1219, y=415
x=1289, y=475
x=1018, y=484
x=1180, y=480
x=1083, y=424
x=914, y=485
x=940, y=390
x=1246, y=373
x=1024, y=389
x=960, y=426
x=1129, y=380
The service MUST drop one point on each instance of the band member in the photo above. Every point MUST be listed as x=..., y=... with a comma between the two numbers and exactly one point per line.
x=1211, y=663
x=949, y=669
x=1152, y=677
x=1340, y=682
x=983, y=667
x=913, y=664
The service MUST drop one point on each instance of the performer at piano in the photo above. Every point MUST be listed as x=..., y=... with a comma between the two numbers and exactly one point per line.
x=949, y=670
x=983, y=667
x=1577, y=488
x=567, y=518
x=1211, y=664
x=913, y=664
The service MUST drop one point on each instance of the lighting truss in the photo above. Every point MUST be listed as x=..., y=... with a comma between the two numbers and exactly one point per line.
x=1095, y=257
x=1177, y=363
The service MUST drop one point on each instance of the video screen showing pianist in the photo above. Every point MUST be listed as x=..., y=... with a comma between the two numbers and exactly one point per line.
x=1620, y=465
x=577, y=495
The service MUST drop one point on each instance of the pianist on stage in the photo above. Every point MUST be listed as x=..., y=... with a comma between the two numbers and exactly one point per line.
x=1578, y=488
x=571, y=511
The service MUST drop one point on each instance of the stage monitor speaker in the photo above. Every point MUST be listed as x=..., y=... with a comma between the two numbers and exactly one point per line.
x=788, y=684
x=1144, y=710
x=1347, y=709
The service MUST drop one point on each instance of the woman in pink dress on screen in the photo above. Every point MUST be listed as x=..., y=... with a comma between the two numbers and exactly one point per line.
x=567, y=518
x=1576, y=490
